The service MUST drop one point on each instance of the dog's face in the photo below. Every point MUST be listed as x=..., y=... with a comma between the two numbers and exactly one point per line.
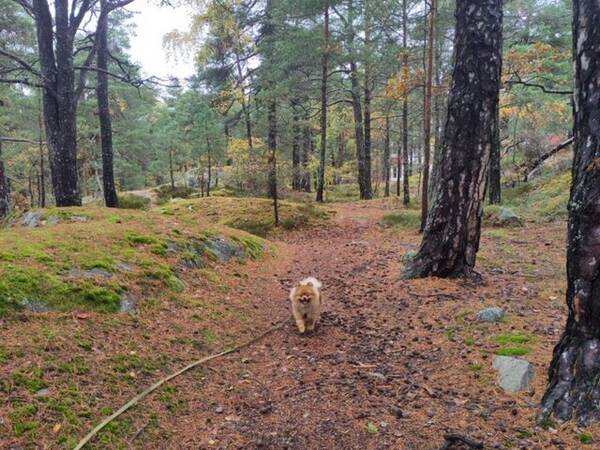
x=304, y=295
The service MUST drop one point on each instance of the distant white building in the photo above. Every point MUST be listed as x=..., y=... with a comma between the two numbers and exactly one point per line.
x=394, y=172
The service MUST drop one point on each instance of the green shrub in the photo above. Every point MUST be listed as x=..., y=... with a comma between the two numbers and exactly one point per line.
x=166, y=193
x=132, y=201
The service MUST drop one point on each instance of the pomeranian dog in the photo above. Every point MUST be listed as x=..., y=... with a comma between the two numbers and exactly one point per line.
x=306, y=303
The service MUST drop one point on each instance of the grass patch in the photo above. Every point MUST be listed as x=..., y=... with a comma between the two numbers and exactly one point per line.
x=404, y=219
x=513, y=338
x=512, y=351
x=132, y=201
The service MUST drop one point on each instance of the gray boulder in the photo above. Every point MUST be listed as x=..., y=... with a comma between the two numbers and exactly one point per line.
x=53, y=220
x=127, y=304
x=493, y=314
x=507, y=217
x=31, y=219
x=514, y=374
x=96, y=272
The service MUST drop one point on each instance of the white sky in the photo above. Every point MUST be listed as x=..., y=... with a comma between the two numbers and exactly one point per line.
x=153, y=23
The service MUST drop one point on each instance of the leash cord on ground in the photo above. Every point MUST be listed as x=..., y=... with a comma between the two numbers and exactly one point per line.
x=159, y=383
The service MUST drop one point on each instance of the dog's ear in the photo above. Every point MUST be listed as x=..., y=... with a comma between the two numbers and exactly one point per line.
x=292, y=293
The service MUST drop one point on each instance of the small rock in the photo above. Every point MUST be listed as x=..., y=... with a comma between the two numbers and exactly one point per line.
x=124, y=267
x=171, y=247
x=127, y=303
x=514, y=374
x=53, y=220
x=397, y=412
x=31, y=219
x=219, y=409
x=79, y=219
x=43, y=392
x=92, y=273
x=494, y=314
x=507, y=217
x=35, y=306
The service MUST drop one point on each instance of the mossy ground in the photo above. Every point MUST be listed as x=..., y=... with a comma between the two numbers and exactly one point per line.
x=66, y=366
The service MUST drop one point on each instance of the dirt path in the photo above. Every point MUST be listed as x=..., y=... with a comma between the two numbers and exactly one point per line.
x=394, y=364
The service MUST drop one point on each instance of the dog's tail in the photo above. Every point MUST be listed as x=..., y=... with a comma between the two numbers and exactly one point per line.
x=312, y=281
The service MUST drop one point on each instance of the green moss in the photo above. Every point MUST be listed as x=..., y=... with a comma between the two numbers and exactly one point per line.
x=19, y=287
x=138, y=239
x=585, y=438
x=251, y=246
x=105, y=263
x=512, y=351
x=253, y=226
x=159, y=249
x=125, y=362
x=74, y=366
x=32, y=380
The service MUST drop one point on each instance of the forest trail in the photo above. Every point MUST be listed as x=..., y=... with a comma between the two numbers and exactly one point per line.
x=393, y=364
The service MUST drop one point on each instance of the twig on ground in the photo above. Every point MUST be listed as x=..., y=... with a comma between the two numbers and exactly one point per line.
x=159, y=383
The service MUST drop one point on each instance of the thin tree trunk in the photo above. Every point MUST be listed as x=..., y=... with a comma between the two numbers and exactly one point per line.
x=272, y=142
x=4, y=191
x=171, y=170
x=209, y=155
x=573, y=391
x=386, y=154
x=296, y=137
x=306, y=152
x=406, y=169
x=495, y=182
x=451, y=236
x=108, y=178
x=427, y=113
x=324, y=74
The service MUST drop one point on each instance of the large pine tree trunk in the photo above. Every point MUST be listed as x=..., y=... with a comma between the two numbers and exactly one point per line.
x=324, y=75
x=573, y=390
x=108, y=179
x=451, y=237
x=59, y=98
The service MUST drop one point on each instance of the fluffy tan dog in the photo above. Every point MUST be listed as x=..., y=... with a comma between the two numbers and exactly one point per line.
x=306, y=303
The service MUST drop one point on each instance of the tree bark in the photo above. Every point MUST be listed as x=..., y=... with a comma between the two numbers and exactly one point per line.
x=171, y=169
x=108, y=178
x=59, y=98
x=406, y=170
x=324, y=75
x=573, y=391
x=451, y=236
x=386, y=155
x=272, y=143
x=306, y=152
x=4, y=191
x=209, y=168
x=296, y=138
x=427, y=113
x=495, y=182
